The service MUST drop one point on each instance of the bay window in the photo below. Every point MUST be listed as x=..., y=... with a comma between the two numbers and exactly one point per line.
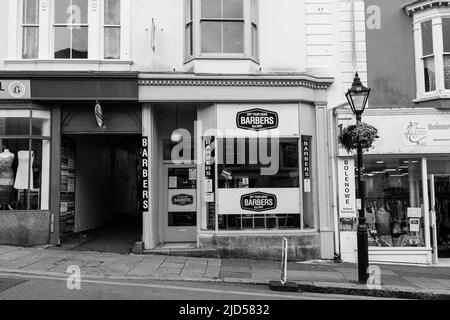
x=428, y=56
x=221, y=28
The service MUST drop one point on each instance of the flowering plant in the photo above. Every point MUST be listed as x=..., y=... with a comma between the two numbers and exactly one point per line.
x=362, y=132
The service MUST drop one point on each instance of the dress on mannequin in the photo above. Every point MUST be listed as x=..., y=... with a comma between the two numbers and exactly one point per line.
x=23, y=170
x=6, y=177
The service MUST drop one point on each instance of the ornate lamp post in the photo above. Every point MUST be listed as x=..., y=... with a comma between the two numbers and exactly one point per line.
x=357, y=97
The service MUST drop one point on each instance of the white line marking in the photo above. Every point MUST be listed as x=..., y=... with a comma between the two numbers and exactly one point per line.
x=168, y=287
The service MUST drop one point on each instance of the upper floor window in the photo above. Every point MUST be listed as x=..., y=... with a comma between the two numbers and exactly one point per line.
x=428, y=56
x=221, y=28
x=30, y=29
x=72, y=29
x=446, y=44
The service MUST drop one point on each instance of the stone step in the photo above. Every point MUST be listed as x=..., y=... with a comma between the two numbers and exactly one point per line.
x=185, y=252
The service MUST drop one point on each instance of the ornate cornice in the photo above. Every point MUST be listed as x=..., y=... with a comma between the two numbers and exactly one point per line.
x=319, y=84
x=421, y=5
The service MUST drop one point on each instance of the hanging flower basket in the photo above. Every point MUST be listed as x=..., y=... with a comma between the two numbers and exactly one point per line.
x=363, y=132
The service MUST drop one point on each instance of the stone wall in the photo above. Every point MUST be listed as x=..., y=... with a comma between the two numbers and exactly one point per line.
x=259, y=246
x=24, y=228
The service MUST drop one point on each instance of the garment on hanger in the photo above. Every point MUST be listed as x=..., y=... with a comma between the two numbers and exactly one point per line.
x=383, y=222
x=6, y=177
x=23, y=170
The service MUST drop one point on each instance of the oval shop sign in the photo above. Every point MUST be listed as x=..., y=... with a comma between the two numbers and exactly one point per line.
x=258, y=201
x=182, y=200
x=257, y=120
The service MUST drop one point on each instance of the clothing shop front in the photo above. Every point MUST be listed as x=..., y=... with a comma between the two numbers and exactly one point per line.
x=59, y=132
x=406, y=178
x=237, y=165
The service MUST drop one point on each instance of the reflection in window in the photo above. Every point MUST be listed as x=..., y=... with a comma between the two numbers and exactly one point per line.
x=239, y=157
x=446, y=36
x=112, y=29
x=394, y=202
x=30, y=29
x=71, y=29
x=428, y=56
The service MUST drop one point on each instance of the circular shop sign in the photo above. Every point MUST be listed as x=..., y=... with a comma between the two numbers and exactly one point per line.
x=16, y=89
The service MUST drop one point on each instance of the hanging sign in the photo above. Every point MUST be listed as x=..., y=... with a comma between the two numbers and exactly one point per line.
x=258, y=202
x=347, y=191
x=145, y=205
x=257, y=120
x=182, y=200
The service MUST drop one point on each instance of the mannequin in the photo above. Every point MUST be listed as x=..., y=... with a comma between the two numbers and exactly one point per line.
x=6, y=178
x=23, y=170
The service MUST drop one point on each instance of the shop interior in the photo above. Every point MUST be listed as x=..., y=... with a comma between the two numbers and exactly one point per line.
x=100, y=209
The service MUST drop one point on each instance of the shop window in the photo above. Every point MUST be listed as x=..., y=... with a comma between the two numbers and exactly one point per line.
x=220, y=28
x=240, y=158
x=30, y=29
x=112, y=29
x=71, y=29
x=394, y=201
x=24, y=159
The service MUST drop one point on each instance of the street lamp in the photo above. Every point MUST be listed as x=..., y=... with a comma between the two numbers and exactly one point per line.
x=357, y=97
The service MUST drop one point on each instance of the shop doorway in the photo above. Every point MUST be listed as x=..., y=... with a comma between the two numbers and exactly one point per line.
x=102, y=174
x=439, y=185
x=180, y=205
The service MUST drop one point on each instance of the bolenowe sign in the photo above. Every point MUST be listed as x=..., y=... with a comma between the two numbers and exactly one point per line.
x=257, y=120
x=258, y=202
x=182, y=200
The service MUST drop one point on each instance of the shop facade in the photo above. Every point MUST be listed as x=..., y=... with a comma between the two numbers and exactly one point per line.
x=236, y=164
x=406, y=177
x=54, y=128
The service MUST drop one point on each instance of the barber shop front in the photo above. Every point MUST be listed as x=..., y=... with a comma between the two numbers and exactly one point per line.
x=235, y=168
x=407, y=179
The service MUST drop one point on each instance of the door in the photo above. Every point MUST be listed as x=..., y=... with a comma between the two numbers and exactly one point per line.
x=433, y=227
x=441, y=204
x=180, y=216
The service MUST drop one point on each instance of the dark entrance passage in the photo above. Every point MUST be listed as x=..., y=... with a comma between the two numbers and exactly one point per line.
x=106, y=211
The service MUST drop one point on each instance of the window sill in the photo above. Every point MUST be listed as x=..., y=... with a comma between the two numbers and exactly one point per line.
x=221, y=58
x=68, y=61
x=437, y=95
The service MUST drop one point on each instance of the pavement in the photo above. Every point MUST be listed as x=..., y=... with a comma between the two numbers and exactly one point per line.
x=328, y=277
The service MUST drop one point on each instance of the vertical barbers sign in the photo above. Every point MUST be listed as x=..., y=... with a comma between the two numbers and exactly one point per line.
x=347, y=192
x=15, y=89
x=257, y=120
x=306, y=163
x=145, y=205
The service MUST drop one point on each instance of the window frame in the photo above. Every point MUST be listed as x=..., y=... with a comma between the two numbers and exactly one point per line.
x=30, y=137
x=25, y=25
x=105, y=26
x=196, y=31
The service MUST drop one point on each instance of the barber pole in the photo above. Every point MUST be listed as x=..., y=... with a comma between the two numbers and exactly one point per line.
x=99, y=117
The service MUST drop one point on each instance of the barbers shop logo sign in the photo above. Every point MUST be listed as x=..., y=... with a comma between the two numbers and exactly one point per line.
x=257, y=120
x=259, y=201
x=182, y=200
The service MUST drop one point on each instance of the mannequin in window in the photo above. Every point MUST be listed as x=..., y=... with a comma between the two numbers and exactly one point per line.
x=6, y=178
x=23, y=170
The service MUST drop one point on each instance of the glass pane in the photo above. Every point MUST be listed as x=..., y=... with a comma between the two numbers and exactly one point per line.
x=62, y=43
x=79, y=11
x=182, y=219
x=80, y=43
x=14, y=171
x=255, y=49
x=447, y=71
x=188, y=41
x=30, y=44
x=40, y=177
x=246, y=172
x=112, y=12
x=62, y=9
x=112, y=43
x=233, y=9
x=181, y=178
x=31, y=11
x=429, y=73
x=14, y=122
x=233, y=37
x=41, y=125
x=427, y=38
x=446, y=34
x=211, y=8
x=211, y=37
x=394, y=201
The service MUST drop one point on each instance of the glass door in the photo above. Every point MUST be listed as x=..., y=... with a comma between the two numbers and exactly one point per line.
x=181, y=193
x=440, y=201
x=433, y=227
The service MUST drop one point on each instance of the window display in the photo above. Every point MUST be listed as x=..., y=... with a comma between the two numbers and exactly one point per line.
x=394, y=202
x=24, y=160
